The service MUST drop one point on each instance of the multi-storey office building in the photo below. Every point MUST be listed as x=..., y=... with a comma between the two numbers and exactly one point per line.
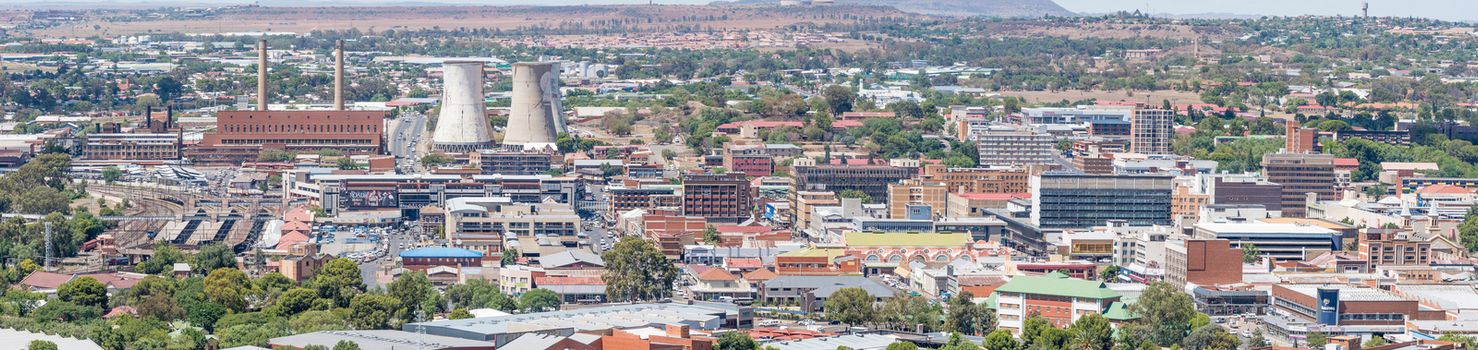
x=1300, y=174
x=1062, y=201
x=717, y=197
x=980, y=180
x=870, y=179
x=1018, y=148
x=915, y=192
x=515, y=162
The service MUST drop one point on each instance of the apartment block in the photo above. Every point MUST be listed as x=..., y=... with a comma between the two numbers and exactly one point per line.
x=1151, y=131
x=1300, y=174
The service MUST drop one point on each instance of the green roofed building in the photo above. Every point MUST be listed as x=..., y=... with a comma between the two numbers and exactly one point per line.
x=1057, y=298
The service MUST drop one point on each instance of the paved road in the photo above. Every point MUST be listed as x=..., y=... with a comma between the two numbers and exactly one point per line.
x=405, y=135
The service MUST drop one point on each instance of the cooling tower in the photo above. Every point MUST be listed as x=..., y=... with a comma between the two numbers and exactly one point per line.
x=535, y=116
x=462, y=125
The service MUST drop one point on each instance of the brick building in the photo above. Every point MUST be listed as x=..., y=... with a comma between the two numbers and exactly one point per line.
x=916, y=192
x=241, y=135
x=163, y=146
x=717, y=197
x=987, y=180
x=1203, y=262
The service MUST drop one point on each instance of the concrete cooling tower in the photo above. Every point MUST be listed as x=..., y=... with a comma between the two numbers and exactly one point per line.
x=462, y=125
x=535, y=118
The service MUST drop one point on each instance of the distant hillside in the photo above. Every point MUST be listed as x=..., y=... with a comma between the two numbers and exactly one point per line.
x=993, y=8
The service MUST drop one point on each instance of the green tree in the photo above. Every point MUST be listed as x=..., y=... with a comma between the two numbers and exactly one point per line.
x=295, y=301
x=1466, y=341
x=435, y=160
x=416, y=295
x=908, y=311
x=903, y=345
x=1375, y=341
x=1210, y=337
x=213, y=256
x=855, y=194
x=164, y=258
x=346, y=163
x=478, y=293
x=1091, y=332
x=839, y=99
x=84, y=291
x=510, y=256
x=41, y=345
x=637, y=271
x=339, y=280
x=539, y=300
x=1250, y=254
x=958, y=342
x=458, y=314
x=736, y=341
x=1166, y=311
x=373, y=311
x=1110, y=273
x=1316, y=339
x=852, y=306
x=1468, y=230
x=112, y=174
x=1001, y=339
x=346, y=345
x=965, y=317
x=710, y=234
x=1033, y=330
x=228, y=287
x=1257, y=339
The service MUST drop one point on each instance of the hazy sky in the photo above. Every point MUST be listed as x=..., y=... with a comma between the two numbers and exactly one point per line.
x=1454, y=10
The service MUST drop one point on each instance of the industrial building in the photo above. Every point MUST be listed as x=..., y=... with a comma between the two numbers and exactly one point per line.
x=462, y=125
x=536, y=117
x=241, y=135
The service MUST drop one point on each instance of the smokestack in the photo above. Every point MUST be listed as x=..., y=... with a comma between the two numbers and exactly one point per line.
x=168, y=116
x=262, y=75
x=339, y=75
x=148, y=116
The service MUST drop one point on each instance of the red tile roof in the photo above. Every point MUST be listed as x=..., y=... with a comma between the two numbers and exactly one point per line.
x=1443, y=189
x=1346, y=162
x=762, y=274
x=716, y=274
x=45, y=280
x=743, y=263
